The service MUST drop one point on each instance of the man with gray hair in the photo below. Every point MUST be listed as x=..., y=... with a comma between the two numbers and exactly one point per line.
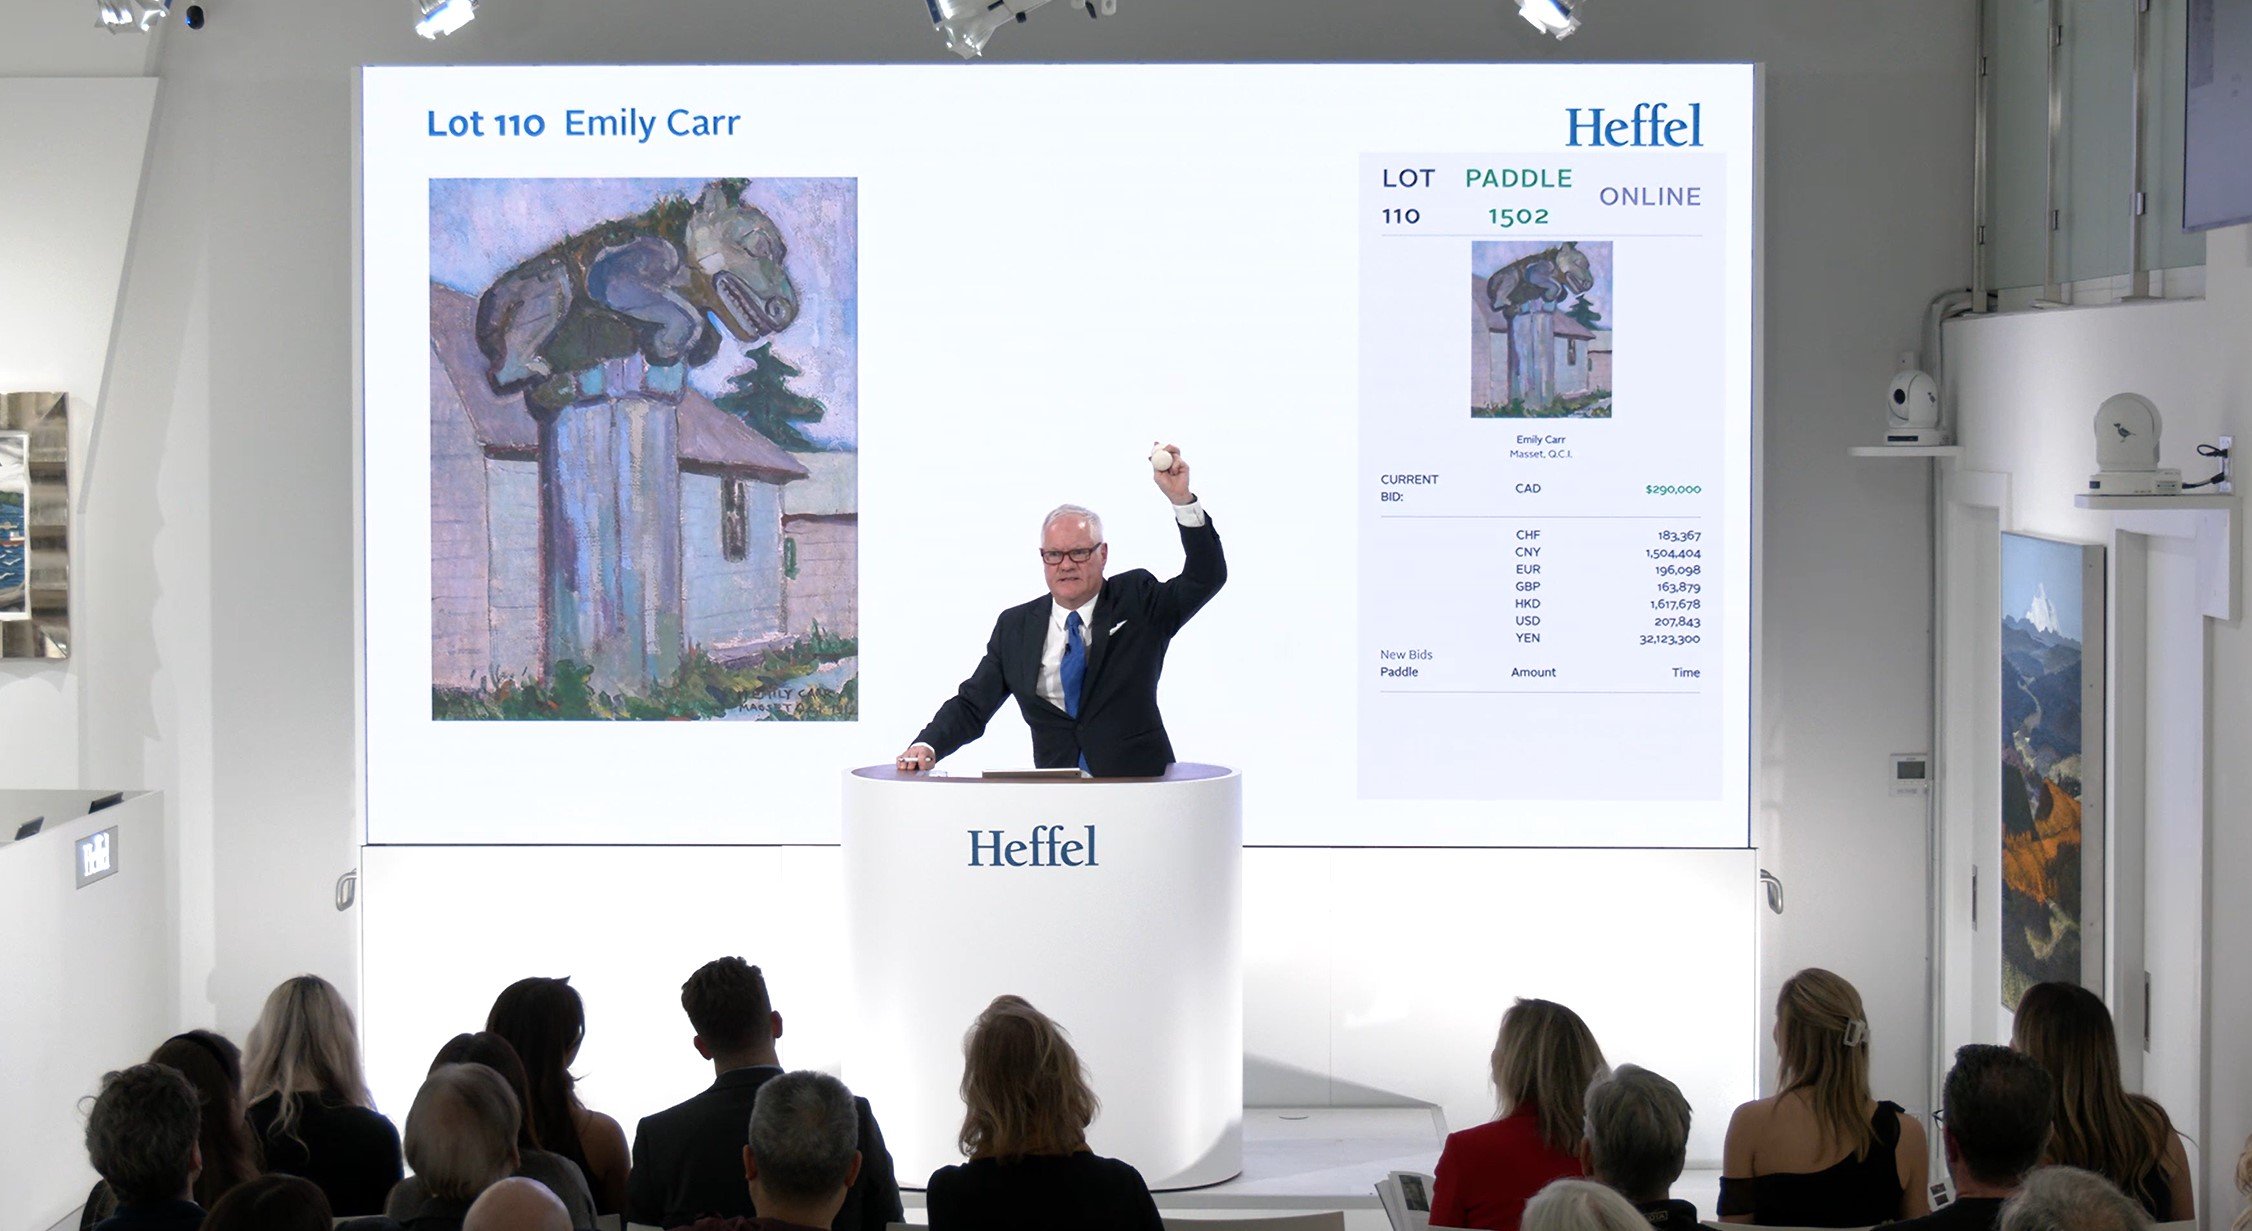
x=803, y=1155
x=517, y=1204
x=1083, y=660
x=141, y=1137
x=460, y=1140
x=2069, y=1199
x=1637, y=1141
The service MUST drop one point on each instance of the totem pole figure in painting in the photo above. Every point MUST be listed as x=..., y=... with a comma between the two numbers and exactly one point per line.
x=1542, y=282
x=599, y=332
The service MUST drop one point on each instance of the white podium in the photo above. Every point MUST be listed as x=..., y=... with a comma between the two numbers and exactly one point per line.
x=1114, y=905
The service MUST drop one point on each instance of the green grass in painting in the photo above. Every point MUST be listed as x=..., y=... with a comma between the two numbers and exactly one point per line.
x=702, y=688
x=1596, y=405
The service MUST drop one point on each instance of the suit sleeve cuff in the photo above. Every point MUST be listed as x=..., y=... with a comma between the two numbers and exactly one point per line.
x=1190, y=514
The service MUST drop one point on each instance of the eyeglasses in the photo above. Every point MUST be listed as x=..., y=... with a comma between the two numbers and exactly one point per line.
x=1078, y=554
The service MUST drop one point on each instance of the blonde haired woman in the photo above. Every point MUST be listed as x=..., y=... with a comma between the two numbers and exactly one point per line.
x=1822, y=1152
x=1027, y=1106
x=1543, y=1060
x=2098, y=1126
x=309, y=1100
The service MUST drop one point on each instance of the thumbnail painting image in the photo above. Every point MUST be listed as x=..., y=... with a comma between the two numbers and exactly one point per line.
x=2052, y=745
x=15, y=533
x=644, y=444
x=1540, y=330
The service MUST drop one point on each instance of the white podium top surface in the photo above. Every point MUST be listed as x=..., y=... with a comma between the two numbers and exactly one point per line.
x=1178, y=771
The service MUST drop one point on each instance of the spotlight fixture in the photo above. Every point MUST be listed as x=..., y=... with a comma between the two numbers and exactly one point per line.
x=969, y=24
x=130, y=16
x=1556, y=17
x=436, y=17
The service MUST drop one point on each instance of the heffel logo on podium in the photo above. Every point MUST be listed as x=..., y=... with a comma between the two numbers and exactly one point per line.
x=1046, y=848
x=1648, y=125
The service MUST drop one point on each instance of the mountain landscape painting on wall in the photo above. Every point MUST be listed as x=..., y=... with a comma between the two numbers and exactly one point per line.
x=2046, y=665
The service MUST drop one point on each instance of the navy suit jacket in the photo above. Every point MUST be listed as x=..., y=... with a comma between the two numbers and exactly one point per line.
x=1118, y=729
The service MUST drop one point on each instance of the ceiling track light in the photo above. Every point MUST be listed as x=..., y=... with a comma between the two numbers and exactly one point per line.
x=969, y=24
x=130, y=16
x=1552, y=17
x=436, y=17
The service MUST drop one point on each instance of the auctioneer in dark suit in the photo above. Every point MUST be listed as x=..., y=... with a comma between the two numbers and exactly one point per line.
x=1129, y=624
x=688, y=1160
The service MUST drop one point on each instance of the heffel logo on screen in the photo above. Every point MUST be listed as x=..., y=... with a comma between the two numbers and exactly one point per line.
x=1046, y=848
x=1649, y=124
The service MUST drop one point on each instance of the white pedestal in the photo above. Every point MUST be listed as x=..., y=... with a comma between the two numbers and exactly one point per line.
x=1113, y=905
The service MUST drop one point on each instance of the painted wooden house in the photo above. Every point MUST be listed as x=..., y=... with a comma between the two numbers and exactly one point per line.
x=821, y=546
x=484, y=520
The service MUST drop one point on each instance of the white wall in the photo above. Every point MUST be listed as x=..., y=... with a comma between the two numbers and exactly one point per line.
x=226, y=578
x=2028, y=386
x=74, y=148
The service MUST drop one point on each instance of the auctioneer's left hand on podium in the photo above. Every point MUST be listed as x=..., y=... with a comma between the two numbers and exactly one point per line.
x=1083, y=660
x=1114, y=906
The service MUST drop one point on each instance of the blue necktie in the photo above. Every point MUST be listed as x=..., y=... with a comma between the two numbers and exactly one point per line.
x=1074, y=670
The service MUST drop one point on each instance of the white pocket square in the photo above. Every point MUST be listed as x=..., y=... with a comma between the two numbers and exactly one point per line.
x=1114, y=629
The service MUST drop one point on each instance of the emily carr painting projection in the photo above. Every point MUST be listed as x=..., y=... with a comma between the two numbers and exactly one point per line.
x=703, y=441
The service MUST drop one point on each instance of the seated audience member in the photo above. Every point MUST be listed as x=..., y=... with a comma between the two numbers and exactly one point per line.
x=1543, y=1059
x=2069, y=1199
x=1637, y=1142
x=1027, y=1106
x=213, y=1066
x=1994, y=1120
x=1582, y=1205
x=1822, y=1152
x=545, y=1021
x=272, y=1203
x=309, y=1103
x=688, y=1159
x=517, y=1204
x=2099, y=1126
x=559, y=1175
x=461, y=1140
x=803, y=1154
x=141, y=1138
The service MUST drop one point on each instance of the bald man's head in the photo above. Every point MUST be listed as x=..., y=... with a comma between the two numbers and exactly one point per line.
x=517, y=1204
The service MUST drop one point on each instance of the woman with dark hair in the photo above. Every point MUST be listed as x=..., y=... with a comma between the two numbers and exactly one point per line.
x=230, y=1155
x=309, y=1101
x=1026, y=1108
x=561, y=1176
x=2098, y=1126
x=1543, y=1060
x=545, y=1021
x=272, y=1203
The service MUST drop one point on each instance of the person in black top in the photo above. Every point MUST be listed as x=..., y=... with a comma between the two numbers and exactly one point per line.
x=141, y=1138
x=309, y=1102
x=2098, y=1124
x=214, y=1067
x=1994, y=1123
x=688, y=1159
x=1024, y=1129
x=802, y=1156
x=1638, y=1140
x=1773, y=1171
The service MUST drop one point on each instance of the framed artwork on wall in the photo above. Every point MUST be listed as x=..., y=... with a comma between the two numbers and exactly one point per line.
x=2052, y=701
x=34, y=526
